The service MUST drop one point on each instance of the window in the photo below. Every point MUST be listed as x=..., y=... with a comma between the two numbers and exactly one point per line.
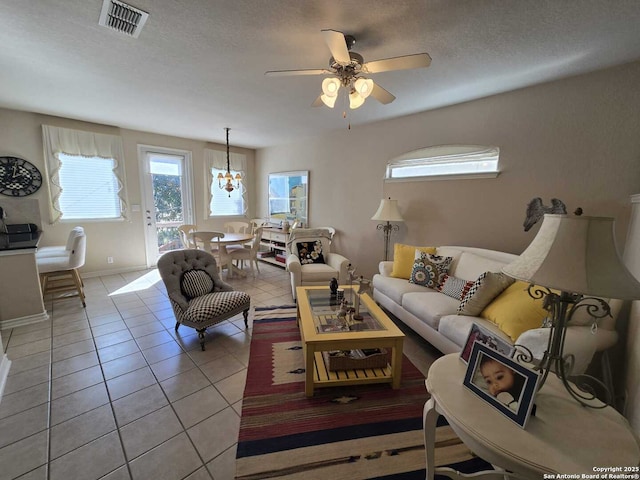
x=85, y=173
x=221, y=202
x=445, y=162
x=89, y=188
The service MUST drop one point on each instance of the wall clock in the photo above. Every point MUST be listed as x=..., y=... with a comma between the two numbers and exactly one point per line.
x=18, y=177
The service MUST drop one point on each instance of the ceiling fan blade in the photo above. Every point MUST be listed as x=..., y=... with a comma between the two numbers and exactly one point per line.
x=419, y=60
x=286, y=73
x=318, y=102
x=338, y=46
x=381, y=95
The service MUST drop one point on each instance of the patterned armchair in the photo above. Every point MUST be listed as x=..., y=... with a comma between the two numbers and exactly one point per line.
x=311, y=261
x=199, y=297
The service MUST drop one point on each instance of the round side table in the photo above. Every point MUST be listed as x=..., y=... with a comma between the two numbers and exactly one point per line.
x=563, y=436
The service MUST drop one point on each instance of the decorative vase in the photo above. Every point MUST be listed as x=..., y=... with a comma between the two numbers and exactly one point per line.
x=333, y=286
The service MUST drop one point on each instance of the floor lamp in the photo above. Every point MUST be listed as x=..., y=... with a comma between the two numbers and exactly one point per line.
x=387, y=212
x=573, y=263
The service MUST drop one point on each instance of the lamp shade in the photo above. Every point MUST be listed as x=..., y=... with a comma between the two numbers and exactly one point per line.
x=577, y=255
x=388, y=211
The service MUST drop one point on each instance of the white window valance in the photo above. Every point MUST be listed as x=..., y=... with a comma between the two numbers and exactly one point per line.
x=57, y=141
x=217, y=159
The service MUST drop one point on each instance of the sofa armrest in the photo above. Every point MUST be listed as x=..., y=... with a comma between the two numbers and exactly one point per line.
x=293, y=264
x=385, y=268
x=341, y=264
x=580, y=341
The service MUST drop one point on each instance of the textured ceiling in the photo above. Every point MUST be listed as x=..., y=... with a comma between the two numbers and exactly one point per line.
x=198, y=65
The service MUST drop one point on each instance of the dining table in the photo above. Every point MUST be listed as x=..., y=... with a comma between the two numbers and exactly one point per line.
x=232, y=238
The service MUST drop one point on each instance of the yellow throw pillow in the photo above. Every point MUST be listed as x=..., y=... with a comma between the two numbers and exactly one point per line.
x=514, y=311
x=403, y=258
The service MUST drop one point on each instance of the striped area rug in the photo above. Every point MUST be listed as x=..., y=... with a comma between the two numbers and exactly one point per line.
x=358, y=432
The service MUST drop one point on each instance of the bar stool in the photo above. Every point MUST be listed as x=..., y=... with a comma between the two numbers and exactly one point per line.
x=59, y=271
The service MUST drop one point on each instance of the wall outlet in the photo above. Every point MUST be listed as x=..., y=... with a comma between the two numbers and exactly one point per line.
x=109, y=259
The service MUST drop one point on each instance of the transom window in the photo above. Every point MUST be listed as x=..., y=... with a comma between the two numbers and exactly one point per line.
x=445, y=162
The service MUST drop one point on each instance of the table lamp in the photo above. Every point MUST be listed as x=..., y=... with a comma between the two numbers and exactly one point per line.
x=573, y=263
x=387, y=212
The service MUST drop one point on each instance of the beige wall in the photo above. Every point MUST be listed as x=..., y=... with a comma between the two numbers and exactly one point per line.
x=21, y=136
x=574, y=139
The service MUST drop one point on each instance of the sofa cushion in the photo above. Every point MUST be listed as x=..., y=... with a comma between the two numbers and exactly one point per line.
x=456, y=328
x=317, y=272
x=514, y=311
x=395, y=288
x=310, y=252
x=470, y=266
x=429, y=306
x=487, y=287
x=429, y=270
x=403, y=258
x=455, y=287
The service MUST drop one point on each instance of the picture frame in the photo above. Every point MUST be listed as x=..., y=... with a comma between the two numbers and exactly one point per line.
x=487, y=376
x=486, y=336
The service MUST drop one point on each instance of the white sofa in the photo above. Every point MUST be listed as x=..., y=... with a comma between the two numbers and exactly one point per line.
x=434, y=317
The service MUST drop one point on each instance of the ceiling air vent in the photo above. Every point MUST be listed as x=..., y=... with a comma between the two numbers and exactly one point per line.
x=122, y=17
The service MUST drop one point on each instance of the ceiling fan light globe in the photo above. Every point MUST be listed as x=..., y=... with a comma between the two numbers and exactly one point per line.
x=355, y=100
x=363, y=86
x=330, y=87
x=328, y=101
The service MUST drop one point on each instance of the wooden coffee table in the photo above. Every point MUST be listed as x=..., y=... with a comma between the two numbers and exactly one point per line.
x=317, y=313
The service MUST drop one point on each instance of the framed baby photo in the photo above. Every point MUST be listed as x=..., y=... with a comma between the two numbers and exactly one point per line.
x=487, y=337
x=503, y=383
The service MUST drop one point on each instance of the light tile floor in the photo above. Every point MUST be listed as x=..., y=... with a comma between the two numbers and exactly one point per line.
x=113, y=392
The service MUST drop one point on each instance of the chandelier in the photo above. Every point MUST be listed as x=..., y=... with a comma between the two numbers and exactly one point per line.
x=228, y=178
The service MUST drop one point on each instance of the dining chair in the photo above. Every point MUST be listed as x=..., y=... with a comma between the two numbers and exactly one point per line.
x=185, y=235
x=258, y=222
x=210, y=242
x=237, y=227
x=239, y=255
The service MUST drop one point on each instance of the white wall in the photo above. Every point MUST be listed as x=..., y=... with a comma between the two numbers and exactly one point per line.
x=575, y=139
x=21, y=136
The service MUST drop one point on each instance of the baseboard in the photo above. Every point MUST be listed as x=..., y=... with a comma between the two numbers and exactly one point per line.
x=28, y=320
x=116, y=271
x=5, y=364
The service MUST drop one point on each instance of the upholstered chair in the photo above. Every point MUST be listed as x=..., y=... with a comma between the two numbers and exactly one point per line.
x=199, y=297
x=310, y=260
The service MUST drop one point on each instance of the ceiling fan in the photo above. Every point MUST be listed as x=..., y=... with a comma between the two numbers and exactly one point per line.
x=349, y=69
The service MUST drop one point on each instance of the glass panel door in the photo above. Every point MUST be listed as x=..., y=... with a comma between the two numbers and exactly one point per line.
x=167, y=198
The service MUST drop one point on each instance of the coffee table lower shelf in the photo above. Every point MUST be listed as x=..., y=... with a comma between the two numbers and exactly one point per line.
x=323, y=377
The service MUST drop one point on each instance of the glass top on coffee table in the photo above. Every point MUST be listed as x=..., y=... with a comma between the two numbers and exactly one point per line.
x=331, y=315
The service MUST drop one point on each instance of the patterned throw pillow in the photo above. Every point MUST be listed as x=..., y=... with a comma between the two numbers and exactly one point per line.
x=195, y=283
x=429, y=270
x=310, y=252
x=455, y=287
x=487, y=287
